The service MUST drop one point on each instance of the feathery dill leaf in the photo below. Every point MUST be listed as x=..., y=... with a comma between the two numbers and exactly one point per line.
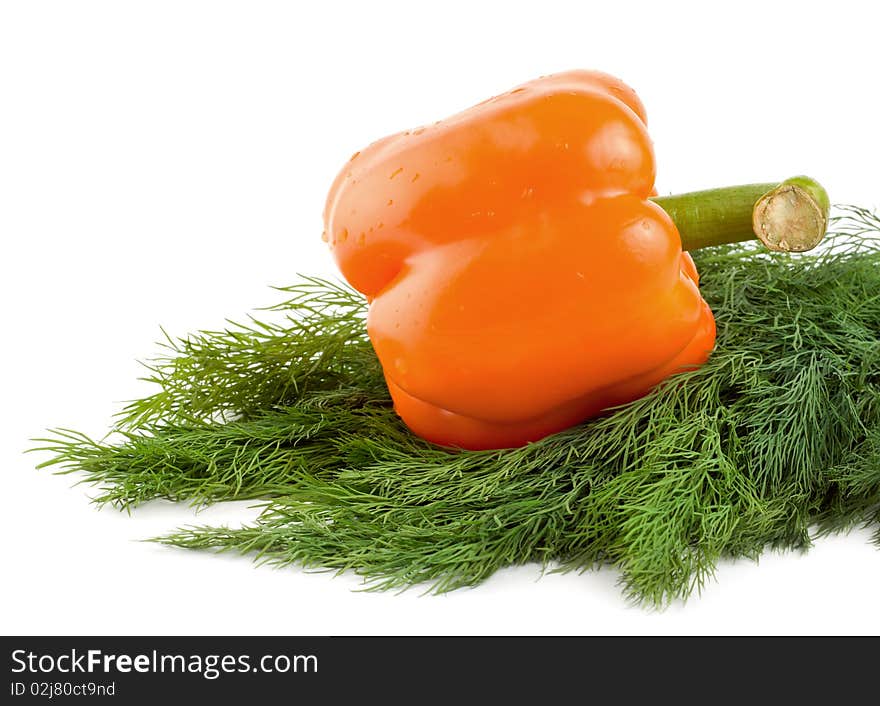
x=319, y=345
x=777, y=436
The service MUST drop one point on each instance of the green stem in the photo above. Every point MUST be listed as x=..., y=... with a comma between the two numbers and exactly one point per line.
x=791, y=216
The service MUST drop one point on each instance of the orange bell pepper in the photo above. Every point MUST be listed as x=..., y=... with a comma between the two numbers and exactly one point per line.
x=520, y=280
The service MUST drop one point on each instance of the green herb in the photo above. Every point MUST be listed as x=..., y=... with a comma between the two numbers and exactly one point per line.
x=775, y=439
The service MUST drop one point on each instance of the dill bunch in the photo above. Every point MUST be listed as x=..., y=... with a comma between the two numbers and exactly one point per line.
x=775, y=440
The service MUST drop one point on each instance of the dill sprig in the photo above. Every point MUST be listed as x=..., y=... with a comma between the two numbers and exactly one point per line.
x=774, y=440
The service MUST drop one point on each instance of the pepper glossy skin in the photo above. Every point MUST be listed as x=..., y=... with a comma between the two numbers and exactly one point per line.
x=519, y=279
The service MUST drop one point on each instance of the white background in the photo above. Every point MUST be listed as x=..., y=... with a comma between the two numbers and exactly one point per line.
x=163, y=162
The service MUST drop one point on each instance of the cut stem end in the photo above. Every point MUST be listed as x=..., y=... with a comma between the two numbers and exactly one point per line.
x=792, y=217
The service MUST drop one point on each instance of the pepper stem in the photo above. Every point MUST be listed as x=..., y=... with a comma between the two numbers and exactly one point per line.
x=791, y=216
